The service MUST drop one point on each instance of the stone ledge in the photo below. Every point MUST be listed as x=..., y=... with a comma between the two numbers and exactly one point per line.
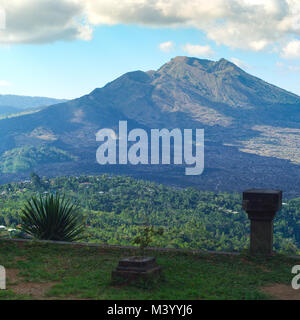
x=151, y=249
x=109, y=246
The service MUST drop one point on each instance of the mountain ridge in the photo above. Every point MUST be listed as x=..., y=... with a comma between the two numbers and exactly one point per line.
x=245, y=119
x=12, y=104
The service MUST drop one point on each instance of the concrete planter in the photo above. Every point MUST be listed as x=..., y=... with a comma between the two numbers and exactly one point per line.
x=136, y=268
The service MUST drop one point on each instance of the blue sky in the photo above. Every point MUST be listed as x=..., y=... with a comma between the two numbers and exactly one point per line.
x=66, y=65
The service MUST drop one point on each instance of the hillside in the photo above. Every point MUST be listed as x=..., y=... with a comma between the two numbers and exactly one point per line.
x=251, y=127
x=115, y=207
x=26, y=158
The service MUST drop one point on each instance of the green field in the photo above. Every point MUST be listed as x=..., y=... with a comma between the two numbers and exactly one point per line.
x=52, y=271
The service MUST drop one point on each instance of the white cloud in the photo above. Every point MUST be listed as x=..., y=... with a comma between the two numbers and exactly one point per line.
x=43, y=21
x=291, y=50
x=248, y=24
x=197, y=50
x=4, y=83
x=166, y=46
x=2, y=19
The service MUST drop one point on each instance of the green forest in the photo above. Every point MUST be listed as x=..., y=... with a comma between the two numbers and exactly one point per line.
x=25, y=158
x=115, y=208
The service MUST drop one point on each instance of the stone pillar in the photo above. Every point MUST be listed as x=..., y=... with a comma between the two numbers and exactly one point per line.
x=261, y=206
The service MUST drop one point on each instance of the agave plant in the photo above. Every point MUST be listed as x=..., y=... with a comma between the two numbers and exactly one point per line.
x=52, y=218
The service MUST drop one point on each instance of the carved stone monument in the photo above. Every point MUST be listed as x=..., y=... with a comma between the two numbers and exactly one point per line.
x=261, y=206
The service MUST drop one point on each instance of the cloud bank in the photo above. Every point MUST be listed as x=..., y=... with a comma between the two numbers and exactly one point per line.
x=246, y=24
x=43, y=21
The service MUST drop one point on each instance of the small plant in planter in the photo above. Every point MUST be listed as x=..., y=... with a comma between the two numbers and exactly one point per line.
x=145, y=237
x=141, y=267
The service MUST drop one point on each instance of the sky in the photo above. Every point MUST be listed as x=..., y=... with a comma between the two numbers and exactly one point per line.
x=67, y=48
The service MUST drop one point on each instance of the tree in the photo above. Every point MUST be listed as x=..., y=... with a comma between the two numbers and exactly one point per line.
x=36, y=180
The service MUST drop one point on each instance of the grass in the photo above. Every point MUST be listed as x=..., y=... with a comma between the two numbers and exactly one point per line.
x=75, y=272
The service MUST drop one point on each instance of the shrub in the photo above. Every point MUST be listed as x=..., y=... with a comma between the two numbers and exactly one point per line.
x=52, y=218
x=145, y=237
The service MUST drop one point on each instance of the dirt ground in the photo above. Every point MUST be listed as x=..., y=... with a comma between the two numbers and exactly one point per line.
x=35, y=289
x=282, y=292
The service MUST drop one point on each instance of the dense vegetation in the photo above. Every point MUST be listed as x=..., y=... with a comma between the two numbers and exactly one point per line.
x=115, y=207
x=25, y=158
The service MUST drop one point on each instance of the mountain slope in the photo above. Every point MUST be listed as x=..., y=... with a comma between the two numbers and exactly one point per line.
x=251, y=127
